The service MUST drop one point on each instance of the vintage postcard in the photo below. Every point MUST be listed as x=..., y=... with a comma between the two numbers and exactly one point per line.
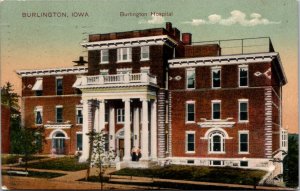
x=149, y=94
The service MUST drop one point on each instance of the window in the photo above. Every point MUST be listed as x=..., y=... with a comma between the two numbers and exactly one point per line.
x=104, y=56
x=59, y=114
x=243, y=76
x=216, y=142
x=38, y=87
x=284, y=139
x=243, y=110
x=190, y=79
x=124, y=70
x=124, y=54
x=106, y=114
x=38, y=115
x=145, y=53
x=190, y=162
x=243, y=142
x=79, y=141
x=120, y=115
x=79, y=116
x=59, y=86
x=190, y=142
x=145, y=70
x=244, y=163
x=216, y=77
x=190, y=111
x=216, y=163
x=103, y=72
x=216, y=109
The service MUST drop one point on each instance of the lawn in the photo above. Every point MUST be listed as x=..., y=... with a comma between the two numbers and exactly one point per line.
x=35, y=174
x=63, y=163
x=11, y=159
x=198, y=173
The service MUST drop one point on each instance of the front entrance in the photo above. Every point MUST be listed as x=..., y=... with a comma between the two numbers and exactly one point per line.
x=121, y=149
x=58, y=143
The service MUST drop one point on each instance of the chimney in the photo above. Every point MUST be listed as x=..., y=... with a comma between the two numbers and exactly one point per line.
x=169, y=26
x=187, y=38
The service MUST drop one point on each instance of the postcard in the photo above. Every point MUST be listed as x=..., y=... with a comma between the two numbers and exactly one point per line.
x=175, y=94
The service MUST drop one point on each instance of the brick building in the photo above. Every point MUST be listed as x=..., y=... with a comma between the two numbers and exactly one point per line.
x=191, y=103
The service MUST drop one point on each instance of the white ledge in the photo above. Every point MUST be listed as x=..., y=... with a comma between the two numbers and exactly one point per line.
x=216, y=123
x=53, y=71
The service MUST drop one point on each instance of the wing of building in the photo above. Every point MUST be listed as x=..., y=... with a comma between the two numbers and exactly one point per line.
x=213, y=103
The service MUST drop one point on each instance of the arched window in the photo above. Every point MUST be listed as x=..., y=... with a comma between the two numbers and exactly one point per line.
x=216, y=142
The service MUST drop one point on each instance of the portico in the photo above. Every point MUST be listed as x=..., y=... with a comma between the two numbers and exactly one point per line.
x=139, y=115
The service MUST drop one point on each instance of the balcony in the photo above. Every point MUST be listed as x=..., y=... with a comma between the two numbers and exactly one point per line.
x=117, y=80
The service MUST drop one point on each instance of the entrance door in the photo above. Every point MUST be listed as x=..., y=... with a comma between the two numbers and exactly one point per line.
x=59, y=145
x=121, y=148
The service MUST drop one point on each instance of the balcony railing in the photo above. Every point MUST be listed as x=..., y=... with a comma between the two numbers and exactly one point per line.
x=119, y=79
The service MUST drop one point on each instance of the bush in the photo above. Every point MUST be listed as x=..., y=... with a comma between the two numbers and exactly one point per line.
x=11, y=159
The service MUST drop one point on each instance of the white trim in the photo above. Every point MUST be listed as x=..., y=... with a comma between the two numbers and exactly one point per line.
x=59, y=106
x=247, y=102
x=186, y=142
x=126, y=70
x=186, y=111
x=216, y=69
x=145, y=69
x=215, y=129
x=212, y=108
x=58, y=126
x=239, y=71
x=58, y=131
x=78, y=82
x=59, y=77
x=53, y=71
x=223, y=60
x=101, y=57
x=130, y=42
x=211, y=135
x=239, y=138
x=224, y=123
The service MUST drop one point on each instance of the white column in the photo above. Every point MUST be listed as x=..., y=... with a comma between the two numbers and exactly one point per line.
x=112, y=124
x=96, y=117
x=101, y=115
x=136, y=127
x=85, y=130
x=153, y=131
x=127, y=137
x=144, y=136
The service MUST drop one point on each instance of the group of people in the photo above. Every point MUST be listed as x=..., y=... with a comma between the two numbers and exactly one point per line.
x=136, y=154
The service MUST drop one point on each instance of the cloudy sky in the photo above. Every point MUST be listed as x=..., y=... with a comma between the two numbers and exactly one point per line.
x=32, y=43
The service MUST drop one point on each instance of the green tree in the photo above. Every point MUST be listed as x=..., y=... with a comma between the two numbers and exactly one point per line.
x=100, y=157
x=10, y=98
x=290, y=163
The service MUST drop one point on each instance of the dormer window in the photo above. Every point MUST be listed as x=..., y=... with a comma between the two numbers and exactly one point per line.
x=104, y=57
x=124, y=54
x=145, y=53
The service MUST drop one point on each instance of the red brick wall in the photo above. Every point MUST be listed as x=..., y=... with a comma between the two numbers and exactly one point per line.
x=229, y=108
x=49, y=85
x=5, y=129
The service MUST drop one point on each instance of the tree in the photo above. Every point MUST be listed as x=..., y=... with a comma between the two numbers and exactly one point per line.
x=100, y=157
x=290, y=163
x=10, y=98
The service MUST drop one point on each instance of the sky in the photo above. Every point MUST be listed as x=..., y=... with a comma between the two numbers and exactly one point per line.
x=47, y=42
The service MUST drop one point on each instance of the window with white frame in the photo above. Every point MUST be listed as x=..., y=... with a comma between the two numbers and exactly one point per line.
x=145, y=70
x=145, y=53
x=243, y=110
x=190, y=78
x=104, y=56
x=216, y=109
x=79, y=116
x=284, y=139
x=124, y=54
x=104, y=72
x=38, y=112
x=243, y=76
x=120, y=115
x=243, y=142
x=79, y=141
x=59, y=113
x=216, y=142
x=216, y=77
x=190, y=141
x=190, y=111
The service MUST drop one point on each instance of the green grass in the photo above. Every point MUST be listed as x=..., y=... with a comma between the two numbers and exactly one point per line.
x=35, y=174
x=63, y=163
x=197, y=173
x=11, y=159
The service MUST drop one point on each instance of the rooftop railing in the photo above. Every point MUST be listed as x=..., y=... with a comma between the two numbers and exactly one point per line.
x=242, y=46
